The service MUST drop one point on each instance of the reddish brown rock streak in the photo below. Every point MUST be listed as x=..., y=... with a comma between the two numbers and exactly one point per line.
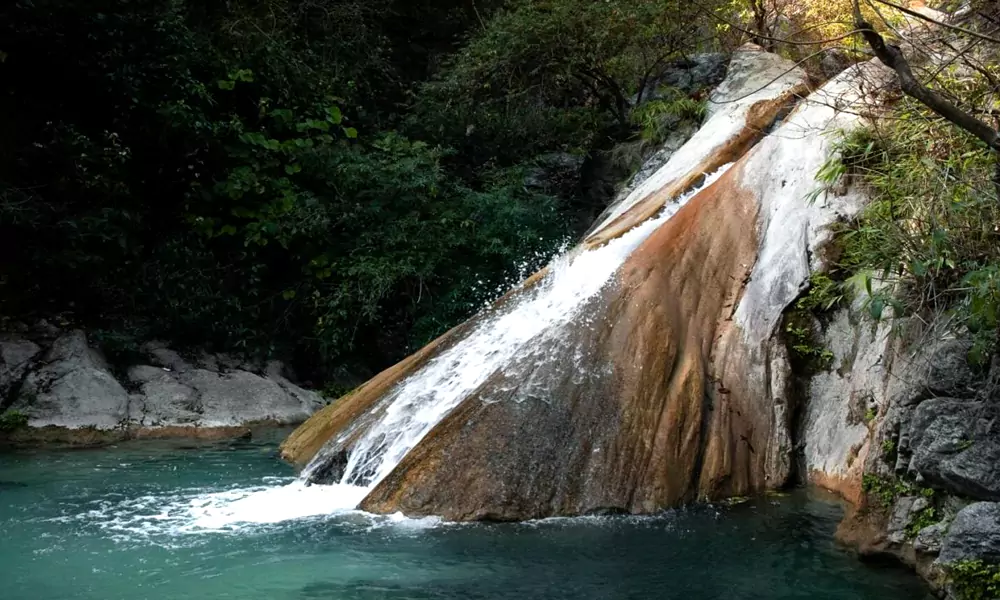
x=637, y=414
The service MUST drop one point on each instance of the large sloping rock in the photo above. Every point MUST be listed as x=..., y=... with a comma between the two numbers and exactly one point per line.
x=757, y=88
x=673, y=387
x=74, y=388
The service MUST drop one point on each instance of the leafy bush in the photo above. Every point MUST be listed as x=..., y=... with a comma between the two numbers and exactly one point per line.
x=975, y=579
x=885, y=490
x=12, y=419
x=216, y=176
x=932, y=230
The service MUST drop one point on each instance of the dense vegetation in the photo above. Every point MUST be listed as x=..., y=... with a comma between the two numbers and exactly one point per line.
x=338, y=181
x=334, y=181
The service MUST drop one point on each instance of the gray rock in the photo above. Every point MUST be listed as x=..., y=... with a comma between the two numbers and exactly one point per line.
x=930, y=539
x=555, y=172
x=949, y=372
x=162, y=356
x=900, y=518
x=699, y=72
x=16, y=356
x=834, y=61
x=973, y=535
x=953, y=445
x=74, y=388
x=205, y=398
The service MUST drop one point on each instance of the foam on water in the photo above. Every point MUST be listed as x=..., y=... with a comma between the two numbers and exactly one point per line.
x=406, y=415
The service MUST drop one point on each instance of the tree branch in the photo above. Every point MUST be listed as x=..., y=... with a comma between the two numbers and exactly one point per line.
x=892, y=57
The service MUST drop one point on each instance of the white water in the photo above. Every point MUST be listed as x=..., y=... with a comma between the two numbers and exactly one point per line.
x=406, y=414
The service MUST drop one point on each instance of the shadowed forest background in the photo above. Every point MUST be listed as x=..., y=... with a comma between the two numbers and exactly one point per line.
x=336, y=182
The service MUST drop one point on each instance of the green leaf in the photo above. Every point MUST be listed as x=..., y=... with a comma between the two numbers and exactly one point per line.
x=876, y=307
x=288, y=294
x=293, y=168
x=227, y=84
x=335, y=115
x=351, y=132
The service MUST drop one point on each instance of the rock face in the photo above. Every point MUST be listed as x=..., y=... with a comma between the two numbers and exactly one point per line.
x=955, y=444
x=675, y=387
x=74, y=388
x=973, y=535
x=16, y=356
x=71, y=386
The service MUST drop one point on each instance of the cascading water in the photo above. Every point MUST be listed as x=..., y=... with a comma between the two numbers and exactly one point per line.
x=409, y=412
x=416, y=405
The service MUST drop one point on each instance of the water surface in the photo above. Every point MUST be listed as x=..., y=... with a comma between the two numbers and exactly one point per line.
x=159, y=521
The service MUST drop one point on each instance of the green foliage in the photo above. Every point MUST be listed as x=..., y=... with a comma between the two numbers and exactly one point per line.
x=975, y=579
x=924, y=518
x=553, y=75
x=229, y=176
x=885, y=490
x=824, y=294
x=931, y=231
x=11, y=420
x=801, y=342
x=889, y=451
x=657, y=118
x=870, y=415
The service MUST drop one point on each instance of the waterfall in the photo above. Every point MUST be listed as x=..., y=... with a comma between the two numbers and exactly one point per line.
x=408, y=413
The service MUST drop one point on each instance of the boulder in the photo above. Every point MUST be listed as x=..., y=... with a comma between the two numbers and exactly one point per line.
x=16, y=356
x=930, y=539
x=834, y=62
x=189, y=396
x=902, y=513
x=74, y=388
x=973, y=535
x=955, y=445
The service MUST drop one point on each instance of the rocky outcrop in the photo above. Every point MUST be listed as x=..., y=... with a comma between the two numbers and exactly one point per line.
x=16, y=356
x=70, y=386
x=906, y=429
x=973, y=535
x=73, y=388
x=955, y=445
x=675, y=387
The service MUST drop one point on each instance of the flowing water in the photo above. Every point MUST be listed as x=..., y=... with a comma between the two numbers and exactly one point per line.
x=158, y=521
x=406, y=414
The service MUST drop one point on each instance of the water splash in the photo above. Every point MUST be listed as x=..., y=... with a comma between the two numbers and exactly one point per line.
x=420, y=402
x=404, y=416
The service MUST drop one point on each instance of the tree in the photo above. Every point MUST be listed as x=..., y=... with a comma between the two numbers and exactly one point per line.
x=561, y=69
x=892, y=56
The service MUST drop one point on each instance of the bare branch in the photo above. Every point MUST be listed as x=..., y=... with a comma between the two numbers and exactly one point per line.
x=892, y=57
x=924, y=17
